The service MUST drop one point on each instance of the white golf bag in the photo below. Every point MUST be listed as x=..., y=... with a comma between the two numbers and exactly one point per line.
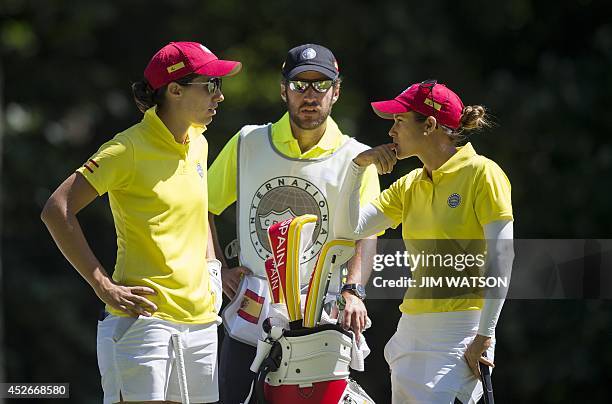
x=302, y=357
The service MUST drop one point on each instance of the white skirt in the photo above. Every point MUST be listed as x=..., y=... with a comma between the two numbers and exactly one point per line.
x=136, y=360
x=426, y=358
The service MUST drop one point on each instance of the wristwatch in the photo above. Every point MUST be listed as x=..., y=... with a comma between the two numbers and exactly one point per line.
x=355, y=288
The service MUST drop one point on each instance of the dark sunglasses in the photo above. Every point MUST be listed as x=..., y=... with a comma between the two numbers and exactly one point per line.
x=320, y=86
x=212, y=85
x=429, y=84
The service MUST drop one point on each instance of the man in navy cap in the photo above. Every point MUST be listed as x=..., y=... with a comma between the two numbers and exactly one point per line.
x=278, y=171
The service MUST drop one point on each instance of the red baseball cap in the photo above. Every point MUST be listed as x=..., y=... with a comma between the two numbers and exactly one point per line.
x=427, y=98
x=178, y=59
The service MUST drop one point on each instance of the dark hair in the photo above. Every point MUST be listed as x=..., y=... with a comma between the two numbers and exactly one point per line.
x=473, y=118
x=145, y=97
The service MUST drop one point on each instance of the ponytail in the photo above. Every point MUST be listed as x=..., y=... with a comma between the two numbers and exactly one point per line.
x=474, y=117
x=144, y=95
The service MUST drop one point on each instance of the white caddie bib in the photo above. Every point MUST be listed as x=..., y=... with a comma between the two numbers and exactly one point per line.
x=271, y=188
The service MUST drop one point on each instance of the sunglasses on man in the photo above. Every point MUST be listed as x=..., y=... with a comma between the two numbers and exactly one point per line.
x=301, y=86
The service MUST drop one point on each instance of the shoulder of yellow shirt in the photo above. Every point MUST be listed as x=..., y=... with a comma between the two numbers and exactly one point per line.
x=484, y=167
x=483, y=161
x=406, y=180
x=130, y=136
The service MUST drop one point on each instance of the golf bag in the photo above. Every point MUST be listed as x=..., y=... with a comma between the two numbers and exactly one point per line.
x=303, y=356
x=307, y=365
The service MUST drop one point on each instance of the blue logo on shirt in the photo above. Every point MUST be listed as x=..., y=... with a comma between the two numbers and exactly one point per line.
x=200, y=170
x=454, y=200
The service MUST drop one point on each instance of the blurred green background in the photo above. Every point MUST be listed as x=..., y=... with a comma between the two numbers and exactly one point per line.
x=543, y=68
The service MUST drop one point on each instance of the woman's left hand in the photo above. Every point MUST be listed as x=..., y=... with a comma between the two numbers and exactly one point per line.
x=383, y=157
x=473, y=353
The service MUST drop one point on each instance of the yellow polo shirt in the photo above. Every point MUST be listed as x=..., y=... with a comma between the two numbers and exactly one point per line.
x=222, y=173
x=463, y=195
x=157, y=190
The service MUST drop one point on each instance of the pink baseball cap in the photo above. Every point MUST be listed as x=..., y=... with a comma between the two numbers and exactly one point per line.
x=178, y=59
x=427, y=98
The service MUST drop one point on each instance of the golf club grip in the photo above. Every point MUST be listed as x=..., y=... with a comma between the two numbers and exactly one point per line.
x=487, y=384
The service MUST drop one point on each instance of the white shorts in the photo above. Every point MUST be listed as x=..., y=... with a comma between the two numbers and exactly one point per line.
x=136, y=360
x=426, y=358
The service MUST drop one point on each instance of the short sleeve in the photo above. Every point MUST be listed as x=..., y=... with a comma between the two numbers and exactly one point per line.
x=111, y=167
x=493, y=199
x=391, y=201
x=222, y=177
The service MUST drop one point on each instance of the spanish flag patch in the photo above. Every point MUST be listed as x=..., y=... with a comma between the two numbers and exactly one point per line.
x=433, y=104
x=91, y=165
x=250, y=308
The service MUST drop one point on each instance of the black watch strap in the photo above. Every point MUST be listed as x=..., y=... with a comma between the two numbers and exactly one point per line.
x=355, y=288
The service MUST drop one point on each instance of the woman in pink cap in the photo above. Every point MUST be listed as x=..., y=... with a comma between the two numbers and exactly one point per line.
x=456, y=208
x=158, y=338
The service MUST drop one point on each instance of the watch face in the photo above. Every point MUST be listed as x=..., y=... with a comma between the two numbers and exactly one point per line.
x=361, y=291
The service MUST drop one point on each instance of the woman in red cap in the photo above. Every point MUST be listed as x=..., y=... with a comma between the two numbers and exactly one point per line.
x=163, y=297
x=456, y=208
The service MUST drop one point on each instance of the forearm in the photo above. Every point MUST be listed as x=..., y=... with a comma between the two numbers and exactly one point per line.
x=68, y=235
x=210, y=245
x=489, y=316
x=214, y=249
x=360, y=266
x=350, y=220
x=500, y=256
x=346, y=220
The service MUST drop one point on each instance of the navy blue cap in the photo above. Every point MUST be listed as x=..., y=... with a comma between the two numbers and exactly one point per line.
x=310, y=57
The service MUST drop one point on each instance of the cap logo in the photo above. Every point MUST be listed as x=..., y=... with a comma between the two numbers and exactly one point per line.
x=205, y=49
x=175, y=67
x=431, y=103
x=308, y=53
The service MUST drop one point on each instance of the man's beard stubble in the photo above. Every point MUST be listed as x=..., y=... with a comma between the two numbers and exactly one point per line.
x=310, y=123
